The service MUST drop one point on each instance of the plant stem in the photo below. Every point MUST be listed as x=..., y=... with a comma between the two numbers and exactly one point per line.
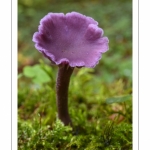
x=63, y=78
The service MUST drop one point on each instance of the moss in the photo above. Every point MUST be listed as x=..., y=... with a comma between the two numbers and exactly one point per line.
x=100, y=119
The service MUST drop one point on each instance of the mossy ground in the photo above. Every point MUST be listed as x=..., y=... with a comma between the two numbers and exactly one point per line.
x=101, y=120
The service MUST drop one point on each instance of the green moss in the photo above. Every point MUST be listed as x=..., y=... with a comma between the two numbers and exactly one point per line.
x=100, y=121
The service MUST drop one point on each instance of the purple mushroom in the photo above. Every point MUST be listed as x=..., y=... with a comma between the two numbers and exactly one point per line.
x=69, y=41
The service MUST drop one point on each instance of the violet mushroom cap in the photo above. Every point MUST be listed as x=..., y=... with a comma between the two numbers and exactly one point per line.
x=72, y=38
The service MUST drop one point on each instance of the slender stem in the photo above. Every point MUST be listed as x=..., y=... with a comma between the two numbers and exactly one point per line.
x=63, y=78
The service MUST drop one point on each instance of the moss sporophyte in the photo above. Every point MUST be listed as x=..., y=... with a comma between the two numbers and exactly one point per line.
x=69, y=40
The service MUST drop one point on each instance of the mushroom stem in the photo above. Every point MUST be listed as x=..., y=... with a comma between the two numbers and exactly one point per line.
x=63, y=78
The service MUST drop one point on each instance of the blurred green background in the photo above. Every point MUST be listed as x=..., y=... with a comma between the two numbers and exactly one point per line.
x=115, y=17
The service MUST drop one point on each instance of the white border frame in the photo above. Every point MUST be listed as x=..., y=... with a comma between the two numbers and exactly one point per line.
x=135, y=76
x=14, y=74
x=8, y=76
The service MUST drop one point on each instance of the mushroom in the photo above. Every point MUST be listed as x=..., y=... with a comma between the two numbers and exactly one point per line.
x=69, y=41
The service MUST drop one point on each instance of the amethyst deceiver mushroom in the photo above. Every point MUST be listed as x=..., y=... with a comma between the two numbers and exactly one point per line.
x=69, y=41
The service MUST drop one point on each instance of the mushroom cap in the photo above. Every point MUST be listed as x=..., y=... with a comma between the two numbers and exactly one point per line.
x=73, y=38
